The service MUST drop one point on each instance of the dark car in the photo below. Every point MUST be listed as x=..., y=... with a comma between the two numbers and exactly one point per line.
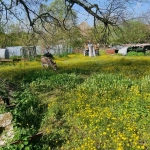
x=139, y=48
x=146, y=48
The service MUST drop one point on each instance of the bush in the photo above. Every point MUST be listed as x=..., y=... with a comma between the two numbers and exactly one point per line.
x=147, y=54
x=135, y=54
x=15, y=57
x=64, y=54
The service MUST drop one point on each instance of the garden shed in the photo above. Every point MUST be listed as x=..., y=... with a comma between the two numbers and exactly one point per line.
x=28, y=51
x=14, y=50
x=4, y=53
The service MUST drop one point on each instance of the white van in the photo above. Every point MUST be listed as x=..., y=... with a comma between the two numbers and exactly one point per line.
x=123, y=50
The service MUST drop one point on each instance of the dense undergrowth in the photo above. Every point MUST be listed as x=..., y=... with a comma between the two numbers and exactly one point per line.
x=89, y=103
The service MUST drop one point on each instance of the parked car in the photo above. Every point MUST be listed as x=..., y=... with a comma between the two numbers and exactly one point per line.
x=123, y=50
x=139, y=48
x=144, y=48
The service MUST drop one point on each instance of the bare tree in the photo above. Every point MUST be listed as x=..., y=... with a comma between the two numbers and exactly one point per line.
x=108, y=12
x=145, y=17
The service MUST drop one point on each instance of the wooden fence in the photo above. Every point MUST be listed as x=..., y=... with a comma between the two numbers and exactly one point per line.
x=9, y=60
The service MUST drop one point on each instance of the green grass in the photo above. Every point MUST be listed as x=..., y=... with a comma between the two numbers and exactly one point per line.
x=101, y=103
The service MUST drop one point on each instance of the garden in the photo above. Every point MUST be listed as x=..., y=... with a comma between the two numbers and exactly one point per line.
x=89, y=103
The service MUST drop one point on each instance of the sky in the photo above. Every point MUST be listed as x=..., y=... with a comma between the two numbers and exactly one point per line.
x=141, y=7
x=137, y=9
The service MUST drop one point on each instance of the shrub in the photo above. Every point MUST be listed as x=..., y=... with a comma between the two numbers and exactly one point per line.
x=64, y=54
x=140, y=54
x=135, y=54
x=147, y=54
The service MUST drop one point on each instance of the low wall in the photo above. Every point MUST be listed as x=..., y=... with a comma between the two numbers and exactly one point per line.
x=110, y=51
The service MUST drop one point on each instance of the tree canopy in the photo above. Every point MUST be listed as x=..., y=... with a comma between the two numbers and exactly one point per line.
x=109, y=12
x=43, y=15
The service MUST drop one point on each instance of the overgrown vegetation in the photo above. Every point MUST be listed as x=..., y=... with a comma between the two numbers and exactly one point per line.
x=89, y=103
x=135, y=54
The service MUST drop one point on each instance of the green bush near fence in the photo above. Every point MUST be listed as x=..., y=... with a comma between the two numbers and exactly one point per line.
x=135, y=54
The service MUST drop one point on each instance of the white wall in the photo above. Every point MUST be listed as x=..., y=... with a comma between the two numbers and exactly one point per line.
x=14, y=51
x=4, y=53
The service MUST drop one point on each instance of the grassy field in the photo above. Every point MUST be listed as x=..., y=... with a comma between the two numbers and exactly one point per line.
x=98, y=103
